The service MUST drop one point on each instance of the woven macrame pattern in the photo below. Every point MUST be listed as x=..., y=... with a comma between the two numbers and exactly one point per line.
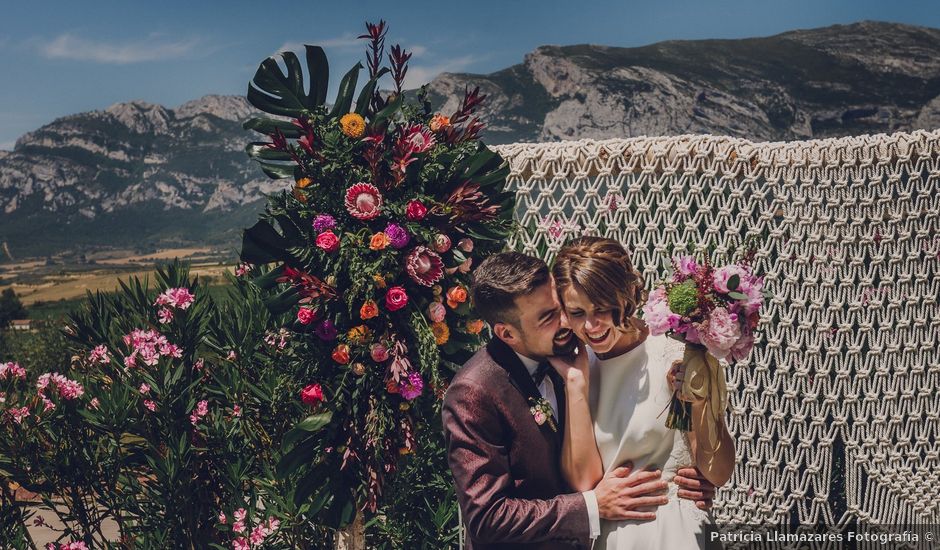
x=836, y=413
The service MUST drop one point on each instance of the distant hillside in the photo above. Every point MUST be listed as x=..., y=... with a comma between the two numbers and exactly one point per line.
x=142, y=174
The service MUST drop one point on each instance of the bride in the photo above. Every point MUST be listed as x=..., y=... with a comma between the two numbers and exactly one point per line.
x=616, y=393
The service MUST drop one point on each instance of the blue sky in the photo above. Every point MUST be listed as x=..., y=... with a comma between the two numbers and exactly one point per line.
x=63, y=57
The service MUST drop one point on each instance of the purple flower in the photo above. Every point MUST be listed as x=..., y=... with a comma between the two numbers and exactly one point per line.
x=686, y=266
x=323, y=222
x=721, y=332
x=325, y=330
x=411, y=389
x=397, y=235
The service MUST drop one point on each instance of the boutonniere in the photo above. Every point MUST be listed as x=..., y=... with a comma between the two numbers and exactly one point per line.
x=542, y=412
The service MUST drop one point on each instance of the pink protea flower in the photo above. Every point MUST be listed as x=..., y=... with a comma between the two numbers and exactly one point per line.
x=416, y=139
x=424, y=266
x=363, y=201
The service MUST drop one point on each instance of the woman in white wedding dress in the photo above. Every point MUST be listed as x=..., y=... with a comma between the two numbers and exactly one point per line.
x=618, y=397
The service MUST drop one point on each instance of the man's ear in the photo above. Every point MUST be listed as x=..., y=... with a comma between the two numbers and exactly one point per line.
x=505, y=332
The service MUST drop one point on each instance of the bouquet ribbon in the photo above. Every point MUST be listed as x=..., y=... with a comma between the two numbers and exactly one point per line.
x=704, y=379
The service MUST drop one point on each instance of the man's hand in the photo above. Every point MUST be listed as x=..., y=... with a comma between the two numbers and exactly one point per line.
x=693, y=486
x=624, y=494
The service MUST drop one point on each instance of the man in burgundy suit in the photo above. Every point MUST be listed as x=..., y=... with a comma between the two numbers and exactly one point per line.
x=503, y=423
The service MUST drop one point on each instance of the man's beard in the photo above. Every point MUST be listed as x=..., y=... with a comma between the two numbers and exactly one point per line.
x=565, y=348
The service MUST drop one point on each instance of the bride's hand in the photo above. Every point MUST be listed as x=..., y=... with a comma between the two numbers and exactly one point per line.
x=674, y=377
x=571, y=366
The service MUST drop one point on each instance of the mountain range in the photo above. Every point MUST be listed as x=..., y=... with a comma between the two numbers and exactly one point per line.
x=147, y=176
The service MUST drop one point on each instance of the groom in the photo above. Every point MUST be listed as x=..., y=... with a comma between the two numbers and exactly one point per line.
x=503, y=422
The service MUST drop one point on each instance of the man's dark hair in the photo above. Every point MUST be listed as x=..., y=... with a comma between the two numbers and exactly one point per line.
x=500, y=279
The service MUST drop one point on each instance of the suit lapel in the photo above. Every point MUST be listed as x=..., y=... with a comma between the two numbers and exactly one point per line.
x=559, y=384
x=520, y=378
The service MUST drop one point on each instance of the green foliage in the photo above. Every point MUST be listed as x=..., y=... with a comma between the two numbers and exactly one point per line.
x=10, y=307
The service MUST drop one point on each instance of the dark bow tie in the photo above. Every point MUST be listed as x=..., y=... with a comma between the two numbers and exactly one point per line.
x=540, y=372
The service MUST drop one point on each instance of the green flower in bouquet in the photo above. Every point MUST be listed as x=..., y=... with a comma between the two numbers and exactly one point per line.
x=683, y=298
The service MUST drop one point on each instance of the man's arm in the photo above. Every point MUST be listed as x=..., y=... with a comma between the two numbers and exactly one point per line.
x=478, y=459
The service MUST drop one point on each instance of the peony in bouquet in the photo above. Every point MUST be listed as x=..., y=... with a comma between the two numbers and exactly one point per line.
x=715, y=312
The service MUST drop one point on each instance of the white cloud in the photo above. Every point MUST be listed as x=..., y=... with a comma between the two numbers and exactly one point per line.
x=347, y=41
x=151, y=48
x=422, y=74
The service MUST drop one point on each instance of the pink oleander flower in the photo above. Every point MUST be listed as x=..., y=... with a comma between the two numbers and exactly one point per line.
x=436, y=312
x=100, y=355
x=363, y=201
x=657, y=314
x=222, y=517
x=165, y=315
x=241, y=543
x=11, y=370
x=150, y=405
x=94, y=403
x=66, y=389
x=720, y=332
x=201, y=410
x=243, y=269
x=144, y=389
x=179, y=298
x=18, y=414
x=237, y=411
x=258, y=534
x=240, y=514
x=424, y=266
x=412, y=387
x=47, y=403
x=199, y=365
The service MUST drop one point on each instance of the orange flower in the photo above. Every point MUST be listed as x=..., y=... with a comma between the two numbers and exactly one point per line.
x=456, y=296
x=353, y=125
x=359, y=335
x=439, y=122
x=441, y=332
x=475, y=326
x=341, y=354
x=303, y=182
x=379, y=280
x=368, y=310
x=379, y=241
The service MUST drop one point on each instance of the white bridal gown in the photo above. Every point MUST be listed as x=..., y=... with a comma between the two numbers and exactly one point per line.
x=628, y=396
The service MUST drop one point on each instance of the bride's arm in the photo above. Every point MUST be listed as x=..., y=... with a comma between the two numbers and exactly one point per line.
x=580, y=459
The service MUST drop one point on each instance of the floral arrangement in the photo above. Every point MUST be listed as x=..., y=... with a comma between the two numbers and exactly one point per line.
x=390, y=206
x=715, y=311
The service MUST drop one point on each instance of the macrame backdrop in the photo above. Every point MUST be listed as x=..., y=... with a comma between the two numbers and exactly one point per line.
x=836, y=413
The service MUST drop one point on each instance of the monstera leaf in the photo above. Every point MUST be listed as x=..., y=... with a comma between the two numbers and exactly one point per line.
x=281, y=94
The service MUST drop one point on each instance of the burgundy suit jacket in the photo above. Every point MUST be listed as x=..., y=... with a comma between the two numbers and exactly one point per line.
x=506, y=467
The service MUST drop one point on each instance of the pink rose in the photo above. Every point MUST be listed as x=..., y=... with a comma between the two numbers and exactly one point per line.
x=396, y=298
x=312, y=395
x=441, y=243
x=328, y=241
x=379, y=353
x=539, y=417
x=436, y=312
x=720, y=333
x=306, y=315
x=415, y=211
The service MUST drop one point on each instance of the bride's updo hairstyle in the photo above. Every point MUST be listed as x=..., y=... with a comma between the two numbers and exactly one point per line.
x=602, y=269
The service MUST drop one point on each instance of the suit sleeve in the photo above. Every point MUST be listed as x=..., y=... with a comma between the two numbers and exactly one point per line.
x=478, y=457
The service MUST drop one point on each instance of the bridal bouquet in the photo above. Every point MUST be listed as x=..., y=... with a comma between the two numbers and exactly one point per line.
x=714, y=311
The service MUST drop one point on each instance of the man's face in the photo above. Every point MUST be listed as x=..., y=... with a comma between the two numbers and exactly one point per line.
x=541, y=331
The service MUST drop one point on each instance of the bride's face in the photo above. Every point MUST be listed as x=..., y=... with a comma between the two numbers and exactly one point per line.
x=593, y=325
